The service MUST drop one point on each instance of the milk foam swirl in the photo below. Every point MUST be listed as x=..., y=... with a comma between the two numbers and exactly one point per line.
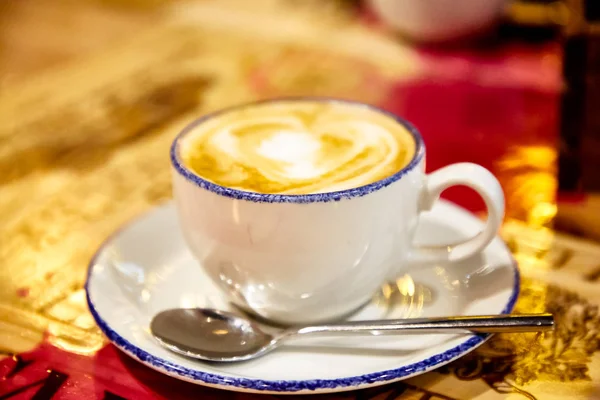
x=297, y=147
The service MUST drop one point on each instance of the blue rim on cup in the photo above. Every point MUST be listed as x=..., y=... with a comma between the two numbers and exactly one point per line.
x=296, y=198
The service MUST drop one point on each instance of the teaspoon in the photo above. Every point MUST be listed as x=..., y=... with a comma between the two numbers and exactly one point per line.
x=214, y=335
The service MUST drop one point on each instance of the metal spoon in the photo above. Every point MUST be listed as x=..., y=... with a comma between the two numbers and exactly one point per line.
x=214, y=335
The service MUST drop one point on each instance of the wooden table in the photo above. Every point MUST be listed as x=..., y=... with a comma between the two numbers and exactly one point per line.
x=92, y=93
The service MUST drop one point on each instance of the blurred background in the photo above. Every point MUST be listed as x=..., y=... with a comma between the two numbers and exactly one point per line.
x=510, y=84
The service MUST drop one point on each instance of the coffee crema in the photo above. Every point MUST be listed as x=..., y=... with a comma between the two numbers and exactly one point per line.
x=297, y=147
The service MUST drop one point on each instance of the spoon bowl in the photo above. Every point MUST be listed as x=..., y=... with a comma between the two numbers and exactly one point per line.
x=210, y=335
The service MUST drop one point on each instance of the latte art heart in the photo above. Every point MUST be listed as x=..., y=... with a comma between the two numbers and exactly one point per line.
x=298, y=147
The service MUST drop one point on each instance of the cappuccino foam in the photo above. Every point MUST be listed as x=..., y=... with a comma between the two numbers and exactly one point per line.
x=297, y=147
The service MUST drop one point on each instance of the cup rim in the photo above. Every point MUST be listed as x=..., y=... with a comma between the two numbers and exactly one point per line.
x=256, y=197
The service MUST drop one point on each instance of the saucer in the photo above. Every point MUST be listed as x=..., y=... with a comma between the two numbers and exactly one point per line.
x=145, y=268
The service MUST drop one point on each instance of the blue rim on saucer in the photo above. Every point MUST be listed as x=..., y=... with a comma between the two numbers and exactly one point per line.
x=286, y=386
x=297, y=198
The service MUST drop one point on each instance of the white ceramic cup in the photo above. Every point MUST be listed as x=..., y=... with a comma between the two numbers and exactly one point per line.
x=316, y=257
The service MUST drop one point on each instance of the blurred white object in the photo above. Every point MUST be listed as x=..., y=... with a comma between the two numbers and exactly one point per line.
x=438, y=20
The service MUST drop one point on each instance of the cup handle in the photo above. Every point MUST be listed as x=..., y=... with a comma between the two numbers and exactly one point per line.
x=486, y=185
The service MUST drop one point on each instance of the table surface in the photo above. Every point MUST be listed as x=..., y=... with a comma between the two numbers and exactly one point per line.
x=87, y=121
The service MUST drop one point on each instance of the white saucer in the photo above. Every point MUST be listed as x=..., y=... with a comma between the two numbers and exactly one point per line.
x=145, y=268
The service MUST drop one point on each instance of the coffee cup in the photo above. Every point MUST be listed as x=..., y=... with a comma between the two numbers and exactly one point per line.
x=294, y=233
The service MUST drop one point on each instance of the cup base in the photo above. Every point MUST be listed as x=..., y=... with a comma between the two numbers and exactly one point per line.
x=278, y=323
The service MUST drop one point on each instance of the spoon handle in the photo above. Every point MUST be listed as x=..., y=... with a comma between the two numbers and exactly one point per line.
x=469, y=324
